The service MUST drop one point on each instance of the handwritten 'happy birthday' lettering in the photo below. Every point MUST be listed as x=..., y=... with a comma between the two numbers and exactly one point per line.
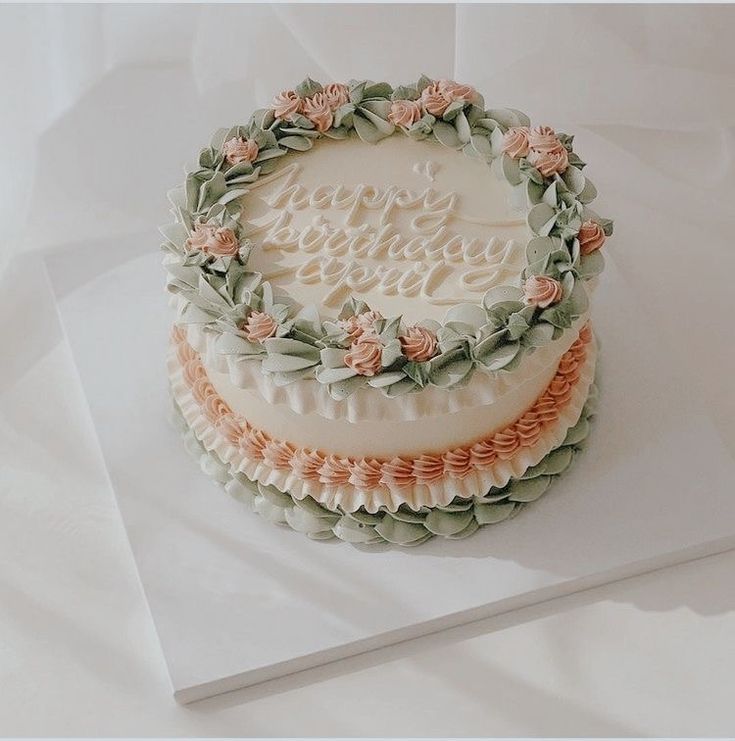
x=356, y=256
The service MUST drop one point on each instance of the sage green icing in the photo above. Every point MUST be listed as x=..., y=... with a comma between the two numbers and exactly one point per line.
x=220, y=293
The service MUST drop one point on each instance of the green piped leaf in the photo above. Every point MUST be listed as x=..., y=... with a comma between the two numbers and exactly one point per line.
x=447, y=135
x=299, y=143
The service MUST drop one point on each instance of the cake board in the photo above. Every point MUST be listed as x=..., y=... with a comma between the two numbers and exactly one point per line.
x=237, y=601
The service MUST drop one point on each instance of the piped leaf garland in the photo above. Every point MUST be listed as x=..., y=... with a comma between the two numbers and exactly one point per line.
x=219, y=293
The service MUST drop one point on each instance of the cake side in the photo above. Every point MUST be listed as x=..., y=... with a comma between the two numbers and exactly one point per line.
x=432, y=478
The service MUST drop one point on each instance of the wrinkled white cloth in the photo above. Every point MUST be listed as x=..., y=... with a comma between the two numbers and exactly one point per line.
x=101, y=107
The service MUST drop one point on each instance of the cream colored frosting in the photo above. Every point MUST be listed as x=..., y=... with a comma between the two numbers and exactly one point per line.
x=337, y=482
x=374, y=437
x=308, y=397
x=348, y=217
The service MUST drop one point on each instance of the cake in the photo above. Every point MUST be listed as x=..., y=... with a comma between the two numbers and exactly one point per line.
x=382, y=299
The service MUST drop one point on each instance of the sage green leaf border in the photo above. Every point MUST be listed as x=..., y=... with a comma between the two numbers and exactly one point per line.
x=218, y=294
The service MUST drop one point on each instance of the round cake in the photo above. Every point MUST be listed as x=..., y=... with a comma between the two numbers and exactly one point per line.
x=382, y=303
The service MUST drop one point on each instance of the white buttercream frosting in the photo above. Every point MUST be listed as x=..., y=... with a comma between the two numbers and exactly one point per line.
x=408, y=235
x=309, y=397
x=349, y=497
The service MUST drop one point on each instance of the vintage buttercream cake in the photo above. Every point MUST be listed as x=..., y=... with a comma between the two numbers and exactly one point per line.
x=382, y=298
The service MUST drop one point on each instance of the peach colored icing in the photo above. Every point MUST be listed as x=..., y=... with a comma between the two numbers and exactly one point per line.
x=365, y=356
x=544, y=139
x=434, y=100
x=529, y=429
x=252, y=443
x=371, y=473
x=278, y=454
x=457, y=91
x=193, y=370
x=549, y=163
x=404, y=113
x=428, y=468
x=366, y=474
x=515, y=142
x=215, y=407
x=336, y=94
x=398, y=472
x=352, y=327
x=458, y=462
x=260, y=326
x=286, y=105
x=418, y=344
x=306, y=463
x=541, y=291
x=591, y=237
x=318, y=110
x=238, y=150
x=367, y=320
x=482, y=454
x=230, y=427
x=335, y=470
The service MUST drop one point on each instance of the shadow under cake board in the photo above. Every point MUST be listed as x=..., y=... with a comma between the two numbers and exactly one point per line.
x=237, y=601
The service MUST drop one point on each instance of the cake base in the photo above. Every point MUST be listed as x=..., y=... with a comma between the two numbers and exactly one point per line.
x=236, y=602
x=405, y=527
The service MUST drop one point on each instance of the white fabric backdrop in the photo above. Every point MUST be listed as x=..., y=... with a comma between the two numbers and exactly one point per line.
x=101, y=106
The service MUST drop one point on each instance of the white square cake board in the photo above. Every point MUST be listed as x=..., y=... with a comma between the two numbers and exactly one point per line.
x=237, y=601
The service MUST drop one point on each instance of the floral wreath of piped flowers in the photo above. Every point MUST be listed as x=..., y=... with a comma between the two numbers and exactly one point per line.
x=207, y=252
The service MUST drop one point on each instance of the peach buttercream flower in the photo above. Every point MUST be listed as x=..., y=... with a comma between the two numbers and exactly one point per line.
x=549, y=163
x=200, y=233
x=544, y=139
x=418, y=344
x=286, y=105
x=365, y=356
x=541, y=291
x=260, y=326
x=238, y=149
x=591, y=237
x=336, y=94
x=433, y=99
x=457, y=91
x=351, y=327
x=367, y=320
x=318, y=110
x=404, y=113
x=515, y=142
x=221, y=243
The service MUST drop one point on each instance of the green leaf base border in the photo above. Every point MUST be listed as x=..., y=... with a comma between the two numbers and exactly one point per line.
x=405, y=527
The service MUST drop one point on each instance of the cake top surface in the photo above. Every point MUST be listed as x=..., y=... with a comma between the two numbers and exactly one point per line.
x=364, y=235
x=409, y=227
